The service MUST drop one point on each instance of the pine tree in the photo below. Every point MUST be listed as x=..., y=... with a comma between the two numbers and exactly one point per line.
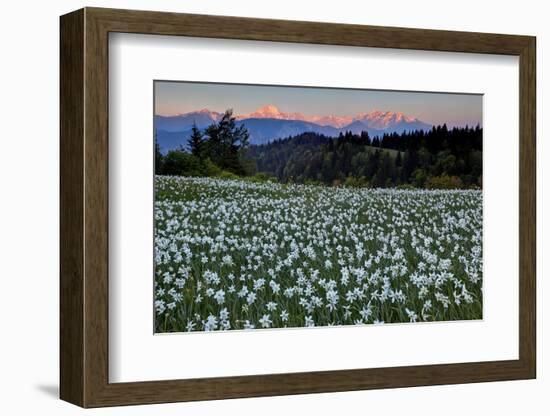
x=365, y=138
x=225, y=143
x=195, y=142
x=398, y=160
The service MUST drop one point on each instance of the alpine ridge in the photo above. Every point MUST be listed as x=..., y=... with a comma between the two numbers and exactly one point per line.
x=268, y=123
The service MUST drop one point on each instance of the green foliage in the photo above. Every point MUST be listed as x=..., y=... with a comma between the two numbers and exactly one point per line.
x=386, y=173
x=196, y=142
x=444, y=182
x=224, y=174
x=180, y=163
x=210, y=169
x=261, y=177
x=387, y=161
x=354, y=182
x=216, y=152
x=312, y=182
x=159, y=160
x=224, y=143
x=446, y=162
x=419, y=177
x=398, y=160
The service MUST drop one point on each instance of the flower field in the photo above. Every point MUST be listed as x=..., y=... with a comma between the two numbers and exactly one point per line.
x=235, y=254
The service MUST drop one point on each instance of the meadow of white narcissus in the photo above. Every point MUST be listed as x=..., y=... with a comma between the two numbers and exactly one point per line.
x=233, y=254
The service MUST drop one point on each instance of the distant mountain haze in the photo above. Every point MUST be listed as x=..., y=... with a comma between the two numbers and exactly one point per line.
x=269, y=123
x=181, y=122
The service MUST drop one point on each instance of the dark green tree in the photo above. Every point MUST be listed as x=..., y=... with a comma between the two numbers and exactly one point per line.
x=226, y=141
x=181, y=163
x=414, y=156
x=195, y=142
x=398, y=161
x=159, y=159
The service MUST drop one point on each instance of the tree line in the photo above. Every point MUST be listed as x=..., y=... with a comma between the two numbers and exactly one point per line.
x=437, y=158
x=214, y=151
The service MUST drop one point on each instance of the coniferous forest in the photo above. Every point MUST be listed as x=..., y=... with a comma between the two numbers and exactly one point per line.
x=437, y=158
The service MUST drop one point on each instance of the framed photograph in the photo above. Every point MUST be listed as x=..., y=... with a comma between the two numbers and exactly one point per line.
x=256, y=207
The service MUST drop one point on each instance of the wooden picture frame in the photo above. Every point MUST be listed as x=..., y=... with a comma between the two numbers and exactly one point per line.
x=84, y=207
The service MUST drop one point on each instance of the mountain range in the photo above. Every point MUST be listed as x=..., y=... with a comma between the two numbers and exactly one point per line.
x=269, y=123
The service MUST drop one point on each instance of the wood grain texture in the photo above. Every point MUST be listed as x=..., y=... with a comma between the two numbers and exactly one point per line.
x=84, y=207
x=226, y=27
x=71, y=158
x=96, y=208
x=527, y=208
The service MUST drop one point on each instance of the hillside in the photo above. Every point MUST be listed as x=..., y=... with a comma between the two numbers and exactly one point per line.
x=406, y=158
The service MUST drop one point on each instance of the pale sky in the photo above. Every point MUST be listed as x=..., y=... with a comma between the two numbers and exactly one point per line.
x=435, y=108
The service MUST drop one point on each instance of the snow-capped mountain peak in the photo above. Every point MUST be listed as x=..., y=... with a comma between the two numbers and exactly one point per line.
x=269, y=123
x=269, y=109
x=204, y=113
x=383, y=119
x=272, y=111
x=377, y=119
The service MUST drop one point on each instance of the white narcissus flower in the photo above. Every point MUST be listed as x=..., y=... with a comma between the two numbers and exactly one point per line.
x=271, y=306
x=242, y=254
x=211, y=323
x=224, y=314
x=265, y=321
x=219, y=296
x=251, y=297
x=411, y=314
x=190, y=327
x=284, y=316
